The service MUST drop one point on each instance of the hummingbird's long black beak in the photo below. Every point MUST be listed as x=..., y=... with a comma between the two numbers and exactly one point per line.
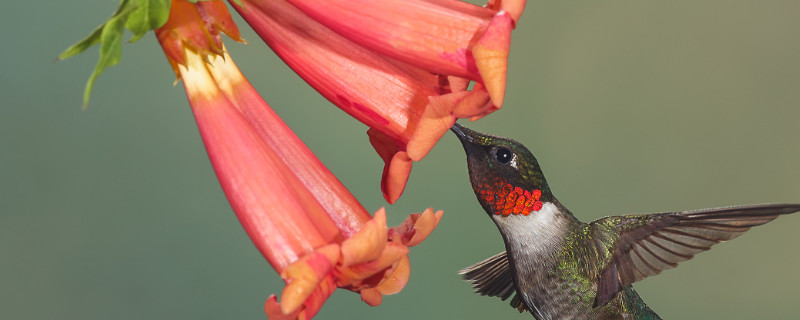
x=459, y=131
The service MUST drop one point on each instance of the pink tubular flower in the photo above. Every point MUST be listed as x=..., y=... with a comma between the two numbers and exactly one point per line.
x=312, y=231
x=402, y=67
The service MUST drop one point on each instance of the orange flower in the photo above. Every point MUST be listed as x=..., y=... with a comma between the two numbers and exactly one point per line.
x=312, y=231
x=402, y=67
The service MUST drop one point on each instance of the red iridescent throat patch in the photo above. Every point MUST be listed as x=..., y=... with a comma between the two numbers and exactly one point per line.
x=507, y=199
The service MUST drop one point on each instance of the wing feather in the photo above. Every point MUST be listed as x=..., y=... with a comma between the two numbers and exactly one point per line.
x=492, y=277
x=649, y=244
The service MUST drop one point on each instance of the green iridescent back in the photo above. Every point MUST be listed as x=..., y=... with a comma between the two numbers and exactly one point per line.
x=587, y=250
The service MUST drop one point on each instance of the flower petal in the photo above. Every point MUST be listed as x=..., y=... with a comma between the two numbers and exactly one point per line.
x=491, y=55
x=396, y=174
x=477, y=102
x=435, y=122
x=398, y=279
x=416, y=227
x=513, y=7
x=368, y=243
x=321, y=294
x=371, y=296
x=424, y=225
x=273, y=310
x=397, y=165
x=359, y=276
x=303, y=276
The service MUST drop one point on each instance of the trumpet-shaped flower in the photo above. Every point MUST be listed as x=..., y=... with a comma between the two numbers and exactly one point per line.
x=312, y=231
x=402, y=67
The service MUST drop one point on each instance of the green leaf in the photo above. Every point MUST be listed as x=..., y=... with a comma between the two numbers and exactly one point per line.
x=148, y=15
x=92, y=39
x=110, y=48
x=138, y=16
x=81, y=46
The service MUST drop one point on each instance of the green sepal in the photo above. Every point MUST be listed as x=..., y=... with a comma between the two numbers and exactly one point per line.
x=148, y=15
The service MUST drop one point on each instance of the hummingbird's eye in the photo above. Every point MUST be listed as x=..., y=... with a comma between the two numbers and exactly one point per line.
x=503, y=155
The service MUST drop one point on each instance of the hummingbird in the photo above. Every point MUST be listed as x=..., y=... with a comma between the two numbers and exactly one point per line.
x=558, y=267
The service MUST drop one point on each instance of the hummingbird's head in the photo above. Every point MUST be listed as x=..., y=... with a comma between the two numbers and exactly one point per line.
x=505, y=175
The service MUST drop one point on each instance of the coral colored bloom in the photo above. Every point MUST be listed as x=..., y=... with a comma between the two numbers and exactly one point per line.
x=312, y=231
x=402, y=67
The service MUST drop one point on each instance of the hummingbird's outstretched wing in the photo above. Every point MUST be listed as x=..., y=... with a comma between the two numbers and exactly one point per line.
x=649, y=244
x=492, y=277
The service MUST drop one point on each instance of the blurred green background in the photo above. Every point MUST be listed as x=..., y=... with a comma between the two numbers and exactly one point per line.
x=631, y=106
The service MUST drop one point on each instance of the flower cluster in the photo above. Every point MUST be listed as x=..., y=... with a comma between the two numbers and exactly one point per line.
x=403, y=68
